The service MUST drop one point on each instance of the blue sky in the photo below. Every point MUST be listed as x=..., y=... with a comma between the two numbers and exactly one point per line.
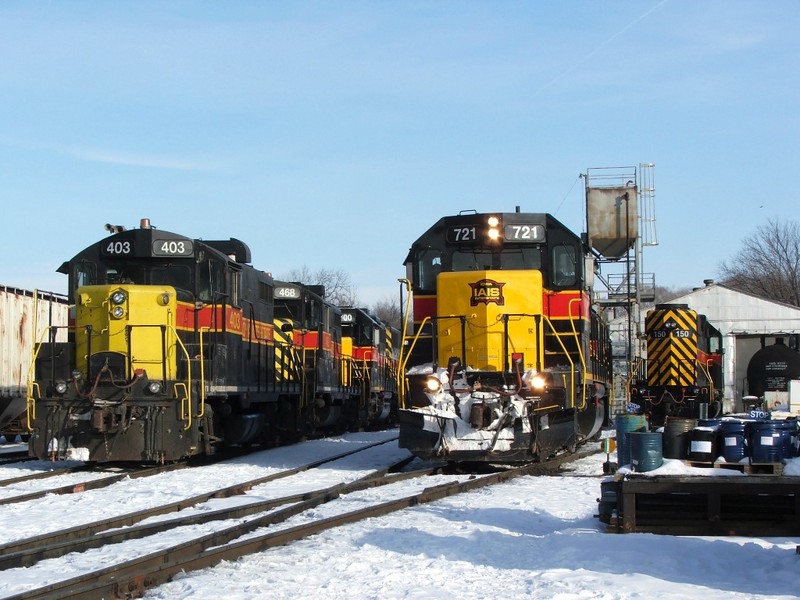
x=331, y=135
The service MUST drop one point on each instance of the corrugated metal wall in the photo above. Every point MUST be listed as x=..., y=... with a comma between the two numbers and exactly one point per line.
x=19, y=311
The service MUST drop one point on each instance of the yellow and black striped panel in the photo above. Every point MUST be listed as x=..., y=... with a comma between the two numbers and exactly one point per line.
x=671, y=346
x=286, y=366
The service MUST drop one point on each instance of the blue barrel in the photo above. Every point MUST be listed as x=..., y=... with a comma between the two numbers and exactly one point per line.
x=703, y=444
x=646, y=450
x=772, y=441
x=625, y=424
x=733, y=440
x=677, y=434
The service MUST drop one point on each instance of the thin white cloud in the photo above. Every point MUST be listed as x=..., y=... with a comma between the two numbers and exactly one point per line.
x=114, y=157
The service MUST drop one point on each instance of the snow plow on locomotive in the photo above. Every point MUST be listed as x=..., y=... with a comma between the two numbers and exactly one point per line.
x=176, y=346
x=507, y=359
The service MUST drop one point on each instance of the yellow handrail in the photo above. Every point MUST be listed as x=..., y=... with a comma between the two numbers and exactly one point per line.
x=707, y=373
x=401, y=379
x=569, y=358
x=30, y=401
x=580, y=350
x=188, y=385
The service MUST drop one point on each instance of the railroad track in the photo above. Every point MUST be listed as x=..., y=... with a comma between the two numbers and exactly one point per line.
x=17, y=456
x=84, y=485
x=129, y=578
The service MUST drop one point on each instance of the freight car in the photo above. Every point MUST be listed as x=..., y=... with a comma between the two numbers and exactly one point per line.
x=24, y=317
x=683, y=371
x=178, y=346
x=506, y=359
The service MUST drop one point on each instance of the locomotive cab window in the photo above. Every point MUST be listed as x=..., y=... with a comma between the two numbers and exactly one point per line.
x=429, y=266
x=179, y=277
x=125, y=274
x=235, y=288
x=85, y=274
x=210, y=278
x=473, y=260
x=564, y=266
x=521, y=258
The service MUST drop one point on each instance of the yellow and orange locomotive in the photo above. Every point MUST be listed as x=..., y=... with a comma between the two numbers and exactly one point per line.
x=507, y=359
x=177, y=345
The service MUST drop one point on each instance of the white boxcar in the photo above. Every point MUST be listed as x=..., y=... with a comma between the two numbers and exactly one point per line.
x=25, y=317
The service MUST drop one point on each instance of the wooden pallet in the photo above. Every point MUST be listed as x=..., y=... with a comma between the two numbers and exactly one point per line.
x=746, y=468
x=678, y=505
x=753, y=468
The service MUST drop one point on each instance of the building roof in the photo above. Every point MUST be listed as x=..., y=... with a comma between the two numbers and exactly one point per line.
x=739, y=313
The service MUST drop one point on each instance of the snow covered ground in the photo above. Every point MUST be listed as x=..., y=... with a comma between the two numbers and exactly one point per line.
x=532, y=537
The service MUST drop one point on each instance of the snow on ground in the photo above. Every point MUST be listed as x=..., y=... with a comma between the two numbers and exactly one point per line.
x=534, y=536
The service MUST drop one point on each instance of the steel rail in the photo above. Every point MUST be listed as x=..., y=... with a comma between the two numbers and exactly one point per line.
x=131, y=578
x=93, y=484
x=24, y=550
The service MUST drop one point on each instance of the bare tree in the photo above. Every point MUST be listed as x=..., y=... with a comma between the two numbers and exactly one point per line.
x=768, y=265
x=339, y=289
x=663, y=294
x=389, y=311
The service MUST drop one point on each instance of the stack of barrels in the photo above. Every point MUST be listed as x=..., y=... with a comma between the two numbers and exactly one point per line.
x=729, y=439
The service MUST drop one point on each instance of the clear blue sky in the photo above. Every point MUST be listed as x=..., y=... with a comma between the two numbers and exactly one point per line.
x=332, y=134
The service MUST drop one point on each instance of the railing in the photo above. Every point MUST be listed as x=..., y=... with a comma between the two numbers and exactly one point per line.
x=402, y=387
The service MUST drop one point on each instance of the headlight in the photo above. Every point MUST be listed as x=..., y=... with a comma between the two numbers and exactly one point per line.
x=118, y=297
x=163, y=299
x=432, y=385
x=494, y=231
x=61, y=387
x=538, y=382
x=117, y=312
x=154, y=387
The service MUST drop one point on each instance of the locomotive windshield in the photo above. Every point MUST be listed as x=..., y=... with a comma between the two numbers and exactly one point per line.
x=431, y=262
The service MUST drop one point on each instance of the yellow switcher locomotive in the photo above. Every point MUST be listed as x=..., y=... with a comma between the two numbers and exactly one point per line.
x=507, y=359
x=684, y=376
x=177, y=345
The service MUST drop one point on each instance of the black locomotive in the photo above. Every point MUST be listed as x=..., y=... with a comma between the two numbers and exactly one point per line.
x=176, y=346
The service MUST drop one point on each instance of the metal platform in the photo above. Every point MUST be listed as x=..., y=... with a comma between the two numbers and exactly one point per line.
x=764, y=505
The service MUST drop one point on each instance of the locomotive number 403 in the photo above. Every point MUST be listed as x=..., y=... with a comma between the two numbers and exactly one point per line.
x=119, y=248
x=173, y=248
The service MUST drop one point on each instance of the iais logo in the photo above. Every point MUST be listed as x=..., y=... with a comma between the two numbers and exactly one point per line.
x=486, y=291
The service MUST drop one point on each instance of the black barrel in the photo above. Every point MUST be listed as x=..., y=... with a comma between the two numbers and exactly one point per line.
x=677, y=434
x=703, y=444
